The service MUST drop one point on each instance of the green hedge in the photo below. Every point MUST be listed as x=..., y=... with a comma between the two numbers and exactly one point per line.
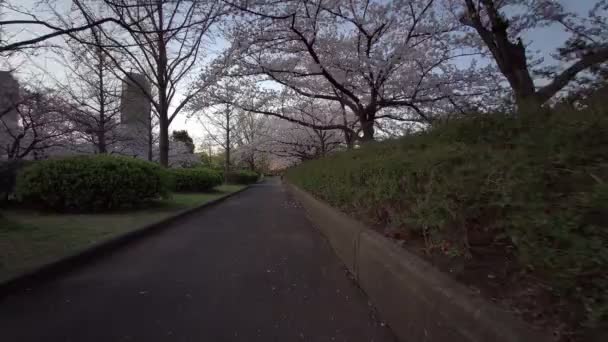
x=242, y=177
x=194, y=179
x=90, y=183
x=538, y=182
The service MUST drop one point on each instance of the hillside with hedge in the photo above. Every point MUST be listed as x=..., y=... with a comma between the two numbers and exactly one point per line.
x=514, y=206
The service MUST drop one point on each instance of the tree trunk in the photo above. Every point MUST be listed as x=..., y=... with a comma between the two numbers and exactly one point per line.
x=150, y=139
x=227, y=161
x=510, y=57
x=514, y=66
x=161, y=71
x=367, y=120
x=101, y=96
x=101, y=127
x=163, y=139
x=349, y=139
x=367, y=128
x=252, y=163
x=101, y=142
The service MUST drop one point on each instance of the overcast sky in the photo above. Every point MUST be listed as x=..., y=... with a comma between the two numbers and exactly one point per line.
x=545, y=40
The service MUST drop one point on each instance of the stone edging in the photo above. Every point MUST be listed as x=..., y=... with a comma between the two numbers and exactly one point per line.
x=417, y=301
x=54, y=268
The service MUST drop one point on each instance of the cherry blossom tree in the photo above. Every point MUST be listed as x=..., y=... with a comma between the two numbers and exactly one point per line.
x=287, y=125
x=251, y=135
x=184, y=137
x=366, y=55
x=296, y=143
x=42, y=126
x=318, y=114
x=181, y=150
x=496, y=28
x=180, y=154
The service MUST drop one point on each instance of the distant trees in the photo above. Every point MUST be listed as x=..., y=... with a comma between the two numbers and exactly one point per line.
x=299, y=143
x=250, y=137
x=221, y=125
x=180, y=154
x=307, y=137
x=239, y=133
x=185, y=138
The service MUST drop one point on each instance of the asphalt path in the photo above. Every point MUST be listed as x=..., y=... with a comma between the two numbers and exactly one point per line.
x=251, y=268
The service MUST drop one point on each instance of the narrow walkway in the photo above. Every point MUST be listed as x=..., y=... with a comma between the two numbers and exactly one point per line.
x=249, y=269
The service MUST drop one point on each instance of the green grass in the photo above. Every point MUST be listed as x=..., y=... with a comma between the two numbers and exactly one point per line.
x=31, y=238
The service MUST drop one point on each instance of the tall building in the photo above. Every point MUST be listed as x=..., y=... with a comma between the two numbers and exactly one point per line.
x=135, y=111
x=9, y=118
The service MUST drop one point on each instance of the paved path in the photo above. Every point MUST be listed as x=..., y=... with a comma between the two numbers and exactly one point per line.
x=250, y=269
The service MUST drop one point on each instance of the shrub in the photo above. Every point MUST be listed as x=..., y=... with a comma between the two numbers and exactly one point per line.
x=90, y=183
x=194, y=179
x=537, y=181
x=242, y=177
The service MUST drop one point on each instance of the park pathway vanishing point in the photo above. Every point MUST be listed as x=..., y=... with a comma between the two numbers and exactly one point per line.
x=249, y=269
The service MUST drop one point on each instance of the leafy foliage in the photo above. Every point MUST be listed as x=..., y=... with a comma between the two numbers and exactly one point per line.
x=90, y=183
x=194, y=179
x=242, y=177
x=537, y=183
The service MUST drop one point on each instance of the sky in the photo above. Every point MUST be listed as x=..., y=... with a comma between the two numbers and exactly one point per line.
x=545, y=40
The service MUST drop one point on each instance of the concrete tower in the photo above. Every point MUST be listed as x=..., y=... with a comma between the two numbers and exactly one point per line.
x=9, y=118
x=135, y=113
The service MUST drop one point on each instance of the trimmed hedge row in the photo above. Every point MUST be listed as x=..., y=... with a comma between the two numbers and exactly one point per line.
x=195, y=179
x=537, y=183
x=90, y=183
x=243, y=177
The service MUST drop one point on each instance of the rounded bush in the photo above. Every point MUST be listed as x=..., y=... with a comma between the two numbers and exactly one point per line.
x=90, y=183
x=243, y=177
x=195, y=179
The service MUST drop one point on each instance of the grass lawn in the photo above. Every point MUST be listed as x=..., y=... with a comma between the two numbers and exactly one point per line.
x=30, y=238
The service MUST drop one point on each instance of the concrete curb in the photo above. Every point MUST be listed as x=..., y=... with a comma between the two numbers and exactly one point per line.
x=417, y=301
x=54, y=268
